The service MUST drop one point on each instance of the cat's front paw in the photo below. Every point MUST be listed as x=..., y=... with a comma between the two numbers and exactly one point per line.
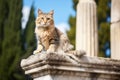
x=50, y=51
x=36, y=52
x=52, y=48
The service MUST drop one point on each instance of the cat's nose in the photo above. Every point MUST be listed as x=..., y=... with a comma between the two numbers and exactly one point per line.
x=45, y=21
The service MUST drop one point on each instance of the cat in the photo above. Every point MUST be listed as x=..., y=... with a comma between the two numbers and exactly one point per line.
x=49, y=38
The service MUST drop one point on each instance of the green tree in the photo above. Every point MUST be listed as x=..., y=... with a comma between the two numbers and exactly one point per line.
x=72, y=32
x=13, y=39
x=10, y=26
x=3, y=15
x=29, y=35
x=103, y=11
x=72, y=22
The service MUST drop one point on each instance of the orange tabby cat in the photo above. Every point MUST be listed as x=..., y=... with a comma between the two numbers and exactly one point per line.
x=49, y=38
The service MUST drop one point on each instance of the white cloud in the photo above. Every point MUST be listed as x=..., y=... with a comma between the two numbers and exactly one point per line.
x=63, y=27
x=25, y=12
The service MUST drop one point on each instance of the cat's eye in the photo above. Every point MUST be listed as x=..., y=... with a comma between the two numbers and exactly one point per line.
x=48, y=18
x=42, y=18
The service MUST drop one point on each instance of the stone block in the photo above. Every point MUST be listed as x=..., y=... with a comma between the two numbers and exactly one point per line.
x=56, y=66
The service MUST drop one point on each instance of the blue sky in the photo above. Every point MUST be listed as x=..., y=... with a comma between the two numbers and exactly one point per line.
x=62, y=10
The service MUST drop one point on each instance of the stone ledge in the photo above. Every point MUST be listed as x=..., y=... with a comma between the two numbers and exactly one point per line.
x=43, y=64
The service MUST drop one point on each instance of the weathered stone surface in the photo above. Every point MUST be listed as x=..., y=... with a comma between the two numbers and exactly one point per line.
x=56, y=66
x=86, y=27
x=115, y=29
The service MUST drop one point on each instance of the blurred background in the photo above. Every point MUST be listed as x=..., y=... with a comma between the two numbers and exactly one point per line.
x=17, y=38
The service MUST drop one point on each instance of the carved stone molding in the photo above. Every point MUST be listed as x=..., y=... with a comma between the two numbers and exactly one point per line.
x=56, y=65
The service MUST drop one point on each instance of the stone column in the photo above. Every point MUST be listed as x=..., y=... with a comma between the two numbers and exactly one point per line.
x=115, y=29
x=56, y=66
x=86, y=31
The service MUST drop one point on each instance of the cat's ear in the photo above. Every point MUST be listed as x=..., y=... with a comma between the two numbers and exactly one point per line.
x=51, y=12
x=39, y=12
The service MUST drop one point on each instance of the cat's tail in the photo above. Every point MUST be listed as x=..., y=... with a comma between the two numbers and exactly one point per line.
x=65, y=43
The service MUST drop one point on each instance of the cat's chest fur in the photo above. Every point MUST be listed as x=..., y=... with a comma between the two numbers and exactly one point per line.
x=45, y=33
x=47, y=37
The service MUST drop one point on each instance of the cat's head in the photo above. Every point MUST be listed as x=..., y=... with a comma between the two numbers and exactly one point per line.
x=44, y=19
